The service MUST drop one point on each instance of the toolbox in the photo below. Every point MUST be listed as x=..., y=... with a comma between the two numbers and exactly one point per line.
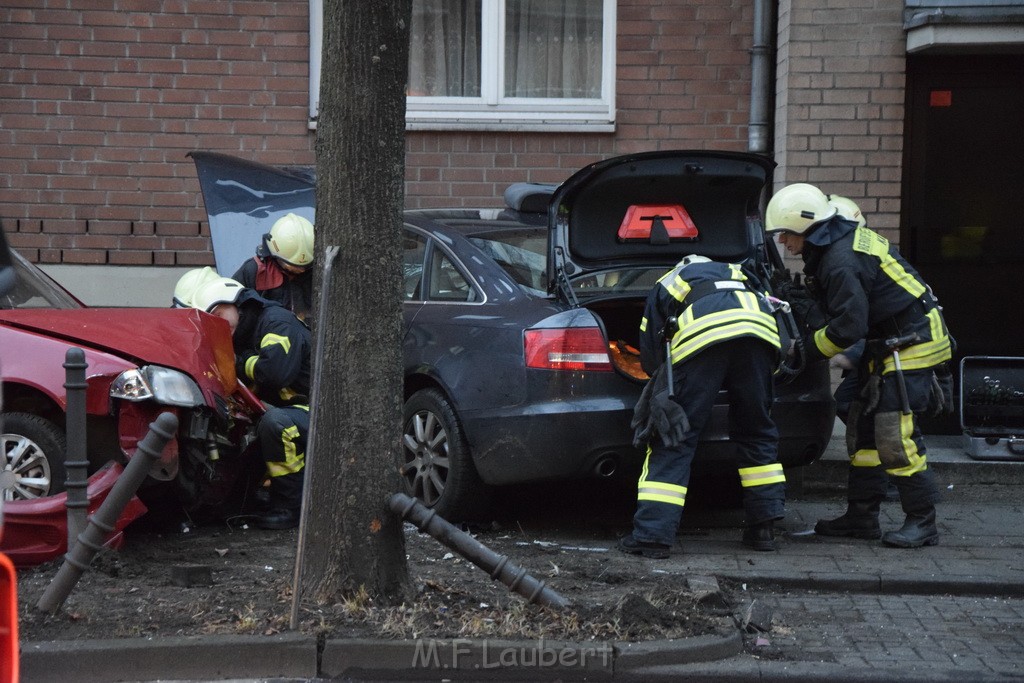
x=992, y=406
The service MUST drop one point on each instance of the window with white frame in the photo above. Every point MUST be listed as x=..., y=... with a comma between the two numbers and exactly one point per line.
x=507, y=65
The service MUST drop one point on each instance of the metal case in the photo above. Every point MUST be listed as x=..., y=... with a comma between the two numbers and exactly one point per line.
x=992, y=406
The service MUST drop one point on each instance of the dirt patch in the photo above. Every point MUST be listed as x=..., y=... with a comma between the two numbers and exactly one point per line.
x=238, y=580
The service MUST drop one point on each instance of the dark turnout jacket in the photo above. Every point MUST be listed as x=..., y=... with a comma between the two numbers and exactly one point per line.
x=273, y=350
x=869, y=291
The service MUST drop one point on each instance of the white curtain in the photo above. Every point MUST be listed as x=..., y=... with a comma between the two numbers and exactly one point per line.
x=444, y=48
x=553, y=48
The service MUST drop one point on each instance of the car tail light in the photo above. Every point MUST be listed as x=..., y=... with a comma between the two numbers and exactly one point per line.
x=573, y=348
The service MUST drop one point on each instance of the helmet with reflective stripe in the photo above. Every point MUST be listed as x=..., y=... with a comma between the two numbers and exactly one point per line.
x=223, y=290
x=797, y=209
x=291, y=240
x=693, y=258
x=189, y=283
x=848, y=209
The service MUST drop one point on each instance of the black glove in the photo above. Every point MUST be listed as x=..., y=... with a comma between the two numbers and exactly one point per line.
x=940, y=399
x=657, y=412
x=871, y=393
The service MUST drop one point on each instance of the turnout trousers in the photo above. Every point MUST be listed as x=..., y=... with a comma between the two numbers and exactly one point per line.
x=886, y=441
x=744, y=367
x=282, y=434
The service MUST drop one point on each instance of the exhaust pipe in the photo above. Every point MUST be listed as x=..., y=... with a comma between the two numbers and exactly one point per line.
x=606, y=466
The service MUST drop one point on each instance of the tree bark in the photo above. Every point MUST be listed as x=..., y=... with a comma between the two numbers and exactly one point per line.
x=350, y=539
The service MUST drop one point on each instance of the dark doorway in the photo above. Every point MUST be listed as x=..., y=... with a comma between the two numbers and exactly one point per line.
x=963, y=195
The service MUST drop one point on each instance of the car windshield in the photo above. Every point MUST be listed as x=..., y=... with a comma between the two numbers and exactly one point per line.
x=521, y=253
x=34, y=289
x=618, y=281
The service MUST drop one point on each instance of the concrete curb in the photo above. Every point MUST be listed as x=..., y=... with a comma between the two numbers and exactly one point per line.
x=295, y=656
x=181, y=658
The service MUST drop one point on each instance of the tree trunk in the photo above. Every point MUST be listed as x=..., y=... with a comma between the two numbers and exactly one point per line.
x=350, y=539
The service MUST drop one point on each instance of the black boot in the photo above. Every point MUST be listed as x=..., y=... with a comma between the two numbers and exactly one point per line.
x=760, y=536
x=859, y=521
x=285, y=503
x=919, y=529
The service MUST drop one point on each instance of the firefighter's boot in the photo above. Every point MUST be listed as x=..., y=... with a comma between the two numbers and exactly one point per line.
x=859, y=521
x=760, y=536
x=918, y=495
x=285, y=503
x=919, y=529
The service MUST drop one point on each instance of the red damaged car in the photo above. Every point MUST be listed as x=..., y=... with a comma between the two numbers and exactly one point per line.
x=141, y=362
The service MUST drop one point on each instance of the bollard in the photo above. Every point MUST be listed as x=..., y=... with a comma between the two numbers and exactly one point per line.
x=104, y=520
x=76, y=459
x=498, y=566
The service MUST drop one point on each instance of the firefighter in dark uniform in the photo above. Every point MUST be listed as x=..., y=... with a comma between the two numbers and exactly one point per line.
x=724, y=336
x=282, y=270
x=868, y=291
x=272, y=352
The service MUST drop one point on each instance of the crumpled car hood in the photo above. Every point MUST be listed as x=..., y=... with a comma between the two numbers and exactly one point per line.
x=196, y=343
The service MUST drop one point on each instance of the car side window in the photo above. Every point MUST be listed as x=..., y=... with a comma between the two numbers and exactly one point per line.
x=414, y=248
x=446, y=282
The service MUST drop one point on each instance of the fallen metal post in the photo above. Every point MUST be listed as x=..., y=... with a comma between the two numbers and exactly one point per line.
x=76, y=459
x=103, y=522
x=498, y=566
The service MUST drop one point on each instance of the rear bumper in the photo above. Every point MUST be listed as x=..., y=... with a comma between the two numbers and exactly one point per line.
x=565, y=439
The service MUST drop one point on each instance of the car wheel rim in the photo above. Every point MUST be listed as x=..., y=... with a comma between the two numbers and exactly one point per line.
x=426, y=457
x=26, y=472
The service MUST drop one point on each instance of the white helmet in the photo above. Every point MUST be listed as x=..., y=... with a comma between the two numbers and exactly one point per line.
x=223, y=290
x=797, y=208
x=189, y=283
x=848, y=209
x=291, y=240
x=693, y=258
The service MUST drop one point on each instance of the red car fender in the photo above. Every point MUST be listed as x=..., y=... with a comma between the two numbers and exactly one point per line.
x=36, y=531
x=133, y=420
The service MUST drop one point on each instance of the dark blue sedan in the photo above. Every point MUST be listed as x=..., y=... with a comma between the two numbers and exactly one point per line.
x=522, y=322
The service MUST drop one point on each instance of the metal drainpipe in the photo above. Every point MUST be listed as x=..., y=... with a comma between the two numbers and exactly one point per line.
x=762, y=53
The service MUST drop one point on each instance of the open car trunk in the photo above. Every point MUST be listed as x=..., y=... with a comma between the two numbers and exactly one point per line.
x=621, y=320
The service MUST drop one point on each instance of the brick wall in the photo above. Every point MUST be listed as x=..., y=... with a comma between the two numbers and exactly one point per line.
x=99, y=107
x=840, y=102
x=683, y=82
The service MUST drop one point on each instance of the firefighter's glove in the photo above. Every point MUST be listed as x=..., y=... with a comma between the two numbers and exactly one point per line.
x=657, y=413
x=940, y=400
x=871, y=393
x=242, y=361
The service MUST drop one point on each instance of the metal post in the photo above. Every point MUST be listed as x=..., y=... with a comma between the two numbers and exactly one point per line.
x=103, y=522
x=314, y=396
x=76, y=459
x=498, y=566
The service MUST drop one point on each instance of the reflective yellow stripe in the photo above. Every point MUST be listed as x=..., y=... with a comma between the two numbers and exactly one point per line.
x=250, y=366
x=694, y=335
x=271, y=339
x=659, y=492
x=293, y=460
x=865, y=457
x=920, y=356
x=825, y=345
x=762, y=475
x=916, y=459
x=643, y=324
x=870, y=242
x=677, y=287
x=662, y=493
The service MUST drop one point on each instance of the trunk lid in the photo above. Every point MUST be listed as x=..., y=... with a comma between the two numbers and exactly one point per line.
x=619, y=224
